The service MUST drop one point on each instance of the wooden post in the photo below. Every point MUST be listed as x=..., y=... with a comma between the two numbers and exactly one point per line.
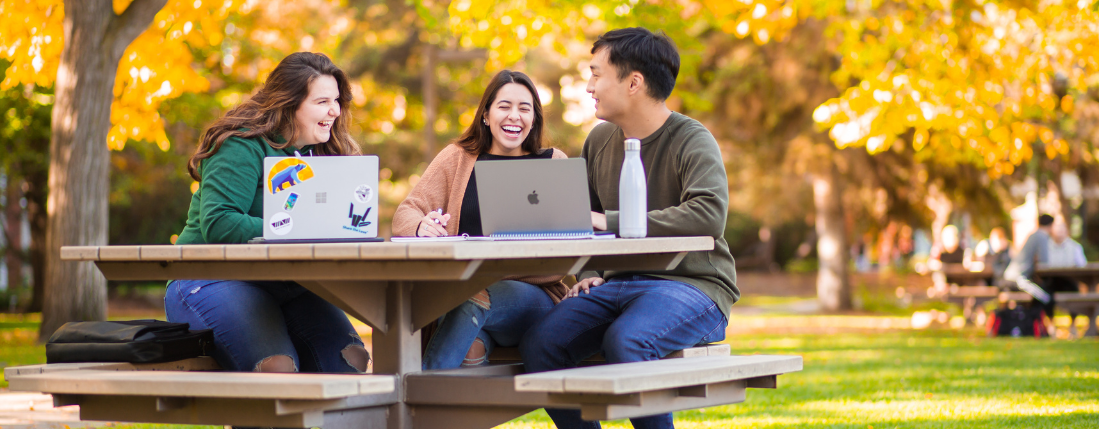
x=431, y=101
x=432, y=57
x=397, y=351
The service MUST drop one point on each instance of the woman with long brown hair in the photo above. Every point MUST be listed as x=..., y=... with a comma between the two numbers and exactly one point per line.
x=271, y=326
x=508, y=126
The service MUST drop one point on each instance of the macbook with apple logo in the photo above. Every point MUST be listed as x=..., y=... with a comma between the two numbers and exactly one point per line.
x=534, y=199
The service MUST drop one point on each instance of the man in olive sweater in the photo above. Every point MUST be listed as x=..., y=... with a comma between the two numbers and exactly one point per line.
x=639, y=316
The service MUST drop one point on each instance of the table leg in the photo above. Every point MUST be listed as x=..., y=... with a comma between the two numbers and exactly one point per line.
x=1093, y=331
x=397, y=351
x=967, y=309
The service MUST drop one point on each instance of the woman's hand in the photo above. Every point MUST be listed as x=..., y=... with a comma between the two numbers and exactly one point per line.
x=433, y=224
x=584, y=285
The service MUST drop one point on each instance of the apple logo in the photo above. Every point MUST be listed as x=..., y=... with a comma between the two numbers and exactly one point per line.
x=533, y=197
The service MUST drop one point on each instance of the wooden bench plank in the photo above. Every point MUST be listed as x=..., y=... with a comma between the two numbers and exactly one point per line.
x=560, y=248
x=80, y=253
x=511, y=354
x=203, y=252
x=161, y=253
x=656, y=375
x=204, y=363
x=205, y=384
x=365, y=412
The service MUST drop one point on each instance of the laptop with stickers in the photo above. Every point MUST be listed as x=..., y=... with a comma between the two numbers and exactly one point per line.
x=534, y=199
x=320, y=199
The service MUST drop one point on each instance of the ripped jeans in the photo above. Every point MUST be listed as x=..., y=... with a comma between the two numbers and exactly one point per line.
x=513, y=308
x=253, y=321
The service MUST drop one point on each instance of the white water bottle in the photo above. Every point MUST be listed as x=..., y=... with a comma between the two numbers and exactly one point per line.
x=633, y=204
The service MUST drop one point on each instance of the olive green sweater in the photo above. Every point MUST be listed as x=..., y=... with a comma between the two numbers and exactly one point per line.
x=228, y=207
x=688, y=196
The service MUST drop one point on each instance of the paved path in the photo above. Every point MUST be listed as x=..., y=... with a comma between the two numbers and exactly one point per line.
x=26, y=410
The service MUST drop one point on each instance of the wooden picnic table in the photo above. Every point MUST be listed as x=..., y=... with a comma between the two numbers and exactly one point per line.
x=969, y=289
x=959, y=275
x=1087, y=274
x=398, y=288
x=1085, y=304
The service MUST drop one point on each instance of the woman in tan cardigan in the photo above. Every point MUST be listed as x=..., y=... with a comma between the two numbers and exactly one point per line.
x=444, y=202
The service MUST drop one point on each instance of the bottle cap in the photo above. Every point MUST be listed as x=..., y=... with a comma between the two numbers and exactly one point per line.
x=633, y=144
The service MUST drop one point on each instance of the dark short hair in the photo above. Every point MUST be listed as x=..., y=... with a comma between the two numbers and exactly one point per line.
x=477, y=139
x=651, y=54
x=1045, y=220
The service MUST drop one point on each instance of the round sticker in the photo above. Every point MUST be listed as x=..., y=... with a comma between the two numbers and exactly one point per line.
x=281, y=223
x=364, y=193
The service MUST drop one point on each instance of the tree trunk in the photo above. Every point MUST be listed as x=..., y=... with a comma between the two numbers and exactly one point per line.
x=833, y=285
x=95, y=39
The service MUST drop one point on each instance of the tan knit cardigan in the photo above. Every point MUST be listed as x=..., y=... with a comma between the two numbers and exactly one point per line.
x=443, y=186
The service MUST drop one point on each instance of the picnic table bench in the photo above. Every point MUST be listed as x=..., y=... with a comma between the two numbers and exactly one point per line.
x=396, y=288
x=970, y=298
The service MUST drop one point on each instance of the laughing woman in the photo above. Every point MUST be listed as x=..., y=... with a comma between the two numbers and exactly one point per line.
x=270, y=326
x=444, y=202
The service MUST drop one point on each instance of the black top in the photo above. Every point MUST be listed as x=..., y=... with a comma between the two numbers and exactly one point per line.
x=470, y=222
x=955, y=257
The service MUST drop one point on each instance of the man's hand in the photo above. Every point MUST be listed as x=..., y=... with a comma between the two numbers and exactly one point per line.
x=599, y=221
x=584, y=285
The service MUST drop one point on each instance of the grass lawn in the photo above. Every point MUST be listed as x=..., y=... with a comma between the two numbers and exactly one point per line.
x=861, y=379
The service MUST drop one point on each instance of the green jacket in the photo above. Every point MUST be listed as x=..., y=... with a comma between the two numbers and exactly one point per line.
x=688, y=195
x=228, y=207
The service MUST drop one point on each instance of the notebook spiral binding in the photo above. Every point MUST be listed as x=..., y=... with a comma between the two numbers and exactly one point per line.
x=503, y=236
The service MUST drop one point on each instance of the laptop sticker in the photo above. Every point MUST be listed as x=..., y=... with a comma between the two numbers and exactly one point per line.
x=358, y=220
x=287, y=173
x=290, y=201
x=281, y=223
x=363, y=193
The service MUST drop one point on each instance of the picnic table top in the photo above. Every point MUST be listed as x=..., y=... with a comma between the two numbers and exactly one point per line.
x=467, y=250
x=1092, y=268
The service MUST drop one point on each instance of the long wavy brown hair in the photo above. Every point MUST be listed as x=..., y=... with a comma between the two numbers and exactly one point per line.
x=270, y=113
x=477, y=139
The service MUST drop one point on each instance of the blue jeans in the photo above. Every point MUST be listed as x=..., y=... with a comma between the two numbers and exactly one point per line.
x=514, y=307
x=253, y=321
x=629, y=319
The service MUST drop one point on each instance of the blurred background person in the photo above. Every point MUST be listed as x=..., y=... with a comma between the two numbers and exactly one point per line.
x=950, y=251
x=999, y=254
x=1063, y=252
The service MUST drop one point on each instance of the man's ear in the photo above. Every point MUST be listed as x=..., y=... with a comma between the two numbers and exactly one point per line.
x=637, y=83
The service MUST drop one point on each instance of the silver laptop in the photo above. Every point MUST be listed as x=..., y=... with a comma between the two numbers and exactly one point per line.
x=320, y=198
x=534, y=199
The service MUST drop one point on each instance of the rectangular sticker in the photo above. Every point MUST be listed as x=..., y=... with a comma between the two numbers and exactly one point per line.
x=290, y=201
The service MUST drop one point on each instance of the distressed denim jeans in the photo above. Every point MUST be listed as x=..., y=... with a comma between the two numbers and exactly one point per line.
x=253, y=321
x=513, y=308
x=628, y=319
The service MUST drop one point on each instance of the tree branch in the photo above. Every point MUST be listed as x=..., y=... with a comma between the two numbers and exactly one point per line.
x=133, y=21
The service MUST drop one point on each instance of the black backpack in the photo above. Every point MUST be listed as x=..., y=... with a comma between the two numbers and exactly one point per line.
x=1021, y=321
x=134, y=341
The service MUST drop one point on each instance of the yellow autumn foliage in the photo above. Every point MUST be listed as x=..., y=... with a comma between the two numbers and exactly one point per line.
x=977, y=80
x=156, y=67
